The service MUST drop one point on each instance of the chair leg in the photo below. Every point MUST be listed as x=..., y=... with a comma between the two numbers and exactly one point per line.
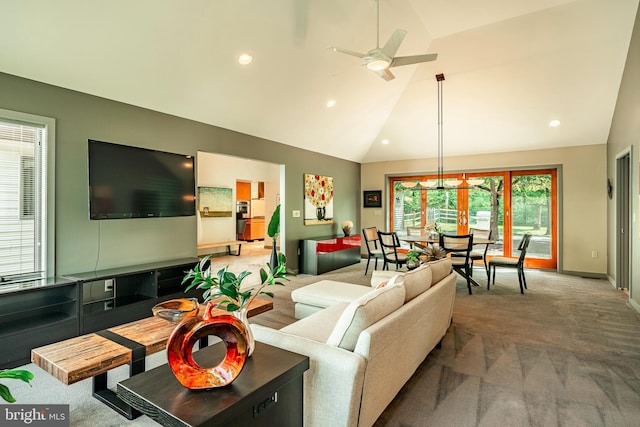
x=523, y=279
x=520, y=282
x=469, y=279
x=488, y=277
x=367, y=267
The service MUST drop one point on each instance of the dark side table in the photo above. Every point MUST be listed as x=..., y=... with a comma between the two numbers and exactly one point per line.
x=268, y=392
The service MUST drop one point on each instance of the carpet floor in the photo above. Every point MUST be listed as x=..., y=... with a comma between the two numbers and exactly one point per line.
x=566, y=353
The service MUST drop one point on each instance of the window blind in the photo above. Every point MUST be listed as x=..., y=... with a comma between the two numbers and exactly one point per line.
x=21, y=207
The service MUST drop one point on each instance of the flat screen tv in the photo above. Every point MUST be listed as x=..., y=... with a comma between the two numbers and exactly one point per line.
x=132, y=182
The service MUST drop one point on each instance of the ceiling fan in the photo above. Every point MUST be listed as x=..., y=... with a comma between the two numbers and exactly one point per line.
x=380, y=60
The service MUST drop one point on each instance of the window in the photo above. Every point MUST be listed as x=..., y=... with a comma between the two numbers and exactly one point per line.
x=24, y=232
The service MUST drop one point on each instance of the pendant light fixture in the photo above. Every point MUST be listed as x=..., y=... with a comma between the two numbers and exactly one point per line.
x=440, y=183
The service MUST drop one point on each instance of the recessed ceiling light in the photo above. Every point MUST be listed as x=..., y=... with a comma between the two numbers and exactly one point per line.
x=245, y=58
x=331, y=103
x=554, y=123
x=385, y=141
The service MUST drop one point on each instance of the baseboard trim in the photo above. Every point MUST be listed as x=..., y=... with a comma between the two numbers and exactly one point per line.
x=585, y=274
x=635, y=305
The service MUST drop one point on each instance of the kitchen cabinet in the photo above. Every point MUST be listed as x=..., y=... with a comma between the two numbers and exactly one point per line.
x=255, y=229
x=243, y=190
x=257, y=190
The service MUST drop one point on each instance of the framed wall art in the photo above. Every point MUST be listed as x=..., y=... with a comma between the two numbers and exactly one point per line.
x=318, y=199
x=215, y=202
x=372, y=199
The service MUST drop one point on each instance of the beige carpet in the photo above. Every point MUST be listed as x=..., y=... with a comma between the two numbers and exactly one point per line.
x=567, y=353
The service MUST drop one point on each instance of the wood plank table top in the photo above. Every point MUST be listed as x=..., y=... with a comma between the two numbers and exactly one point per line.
x=86, y=356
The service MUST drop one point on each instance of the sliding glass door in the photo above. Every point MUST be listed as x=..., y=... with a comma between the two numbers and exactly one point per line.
x=509, y=203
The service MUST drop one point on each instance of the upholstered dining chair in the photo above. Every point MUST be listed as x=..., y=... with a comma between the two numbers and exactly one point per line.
x=459, y=248
x=508, y=262
x=390, y=245
x=479, y=253
x=373, y=250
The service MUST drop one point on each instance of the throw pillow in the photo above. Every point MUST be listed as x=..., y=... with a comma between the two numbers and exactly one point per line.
x=382, y=284
x=364, y=312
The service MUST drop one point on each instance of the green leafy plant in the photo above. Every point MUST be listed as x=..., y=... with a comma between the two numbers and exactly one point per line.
x=272, y=230
x=16, y=374
x=413, y=255
x=228, y=285
x=274, y=224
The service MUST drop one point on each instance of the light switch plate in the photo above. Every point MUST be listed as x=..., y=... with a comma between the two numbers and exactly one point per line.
x=296, y=214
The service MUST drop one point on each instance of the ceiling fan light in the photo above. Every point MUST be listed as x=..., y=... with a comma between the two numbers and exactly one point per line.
x=378, y=65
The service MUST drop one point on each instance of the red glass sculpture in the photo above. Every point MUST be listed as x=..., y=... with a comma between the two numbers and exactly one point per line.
x=228, y=328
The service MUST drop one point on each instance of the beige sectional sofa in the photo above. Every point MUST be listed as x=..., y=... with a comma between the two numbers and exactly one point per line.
x=364, y=343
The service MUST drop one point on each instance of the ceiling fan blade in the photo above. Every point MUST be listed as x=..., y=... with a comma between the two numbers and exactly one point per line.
x=415, y=59
x=385, y=74
x=394, y=42
x=347, y=51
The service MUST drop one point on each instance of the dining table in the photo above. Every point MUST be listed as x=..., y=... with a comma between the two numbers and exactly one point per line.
x=427, y=239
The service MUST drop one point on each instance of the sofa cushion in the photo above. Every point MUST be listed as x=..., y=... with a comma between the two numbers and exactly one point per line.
x=440, y=269
x=318, y=326
x=328, y=292
x=416, y=281
x=364, y=312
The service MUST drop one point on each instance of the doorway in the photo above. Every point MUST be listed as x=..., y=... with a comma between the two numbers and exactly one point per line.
x=623, y=220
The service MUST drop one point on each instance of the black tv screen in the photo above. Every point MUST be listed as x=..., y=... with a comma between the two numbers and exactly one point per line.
x=132, y=182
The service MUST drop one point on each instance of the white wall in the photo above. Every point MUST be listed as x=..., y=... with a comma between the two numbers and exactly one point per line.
x=216, y=170
x=582, y=201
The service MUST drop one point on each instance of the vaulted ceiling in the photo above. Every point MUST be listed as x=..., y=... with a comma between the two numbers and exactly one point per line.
x=510, y=66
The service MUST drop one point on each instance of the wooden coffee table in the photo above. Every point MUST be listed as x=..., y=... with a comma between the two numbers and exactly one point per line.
x=94, y=355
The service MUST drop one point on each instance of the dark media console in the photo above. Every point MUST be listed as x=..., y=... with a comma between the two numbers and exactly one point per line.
x=41, y=312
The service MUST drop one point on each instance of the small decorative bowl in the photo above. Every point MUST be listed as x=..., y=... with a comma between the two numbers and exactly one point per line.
x=176, y=310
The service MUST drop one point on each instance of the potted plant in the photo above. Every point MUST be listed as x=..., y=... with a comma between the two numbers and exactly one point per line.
x=224, y=289
x=16, y=374
x=413, y=259
x=273, y=230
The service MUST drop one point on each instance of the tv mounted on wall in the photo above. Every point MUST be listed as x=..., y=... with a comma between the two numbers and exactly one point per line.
x=132, y=182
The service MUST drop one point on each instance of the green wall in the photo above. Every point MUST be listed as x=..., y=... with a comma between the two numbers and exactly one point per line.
x=84, y=245
x=625, y=136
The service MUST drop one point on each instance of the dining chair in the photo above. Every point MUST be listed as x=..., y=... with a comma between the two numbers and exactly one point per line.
x=459, y=249
x=390, y=245
x=509, y=262
x=479, y=254
x=371, y=242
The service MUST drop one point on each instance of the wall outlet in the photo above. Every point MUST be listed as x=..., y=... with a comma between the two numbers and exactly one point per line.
x=108, y=285
x=295, y=214
x=594, y=254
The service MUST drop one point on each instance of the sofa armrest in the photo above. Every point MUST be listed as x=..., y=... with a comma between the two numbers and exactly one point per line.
x=333, y=382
